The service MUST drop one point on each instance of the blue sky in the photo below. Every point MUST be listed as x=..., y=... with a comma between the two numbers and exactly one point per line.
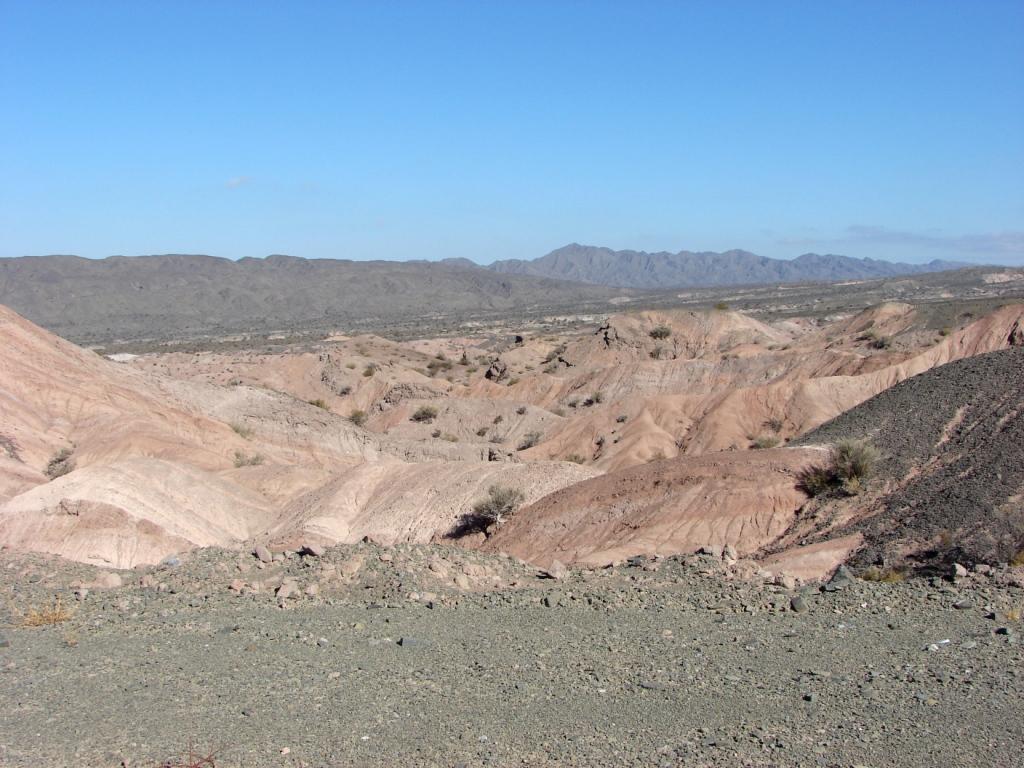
x=506, y=129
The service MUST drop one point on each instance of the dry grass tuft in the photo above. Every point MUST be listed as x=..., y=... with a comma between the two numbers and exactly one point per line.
x=46, y=615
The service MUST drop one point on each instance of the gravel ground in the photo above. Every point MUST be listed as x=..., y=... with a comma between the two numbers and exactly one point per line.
x=655, y=663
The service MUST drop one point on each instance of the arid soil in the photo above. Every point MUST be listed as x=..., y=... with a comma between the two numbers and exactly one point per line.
x=658, y=662
x=639, y=433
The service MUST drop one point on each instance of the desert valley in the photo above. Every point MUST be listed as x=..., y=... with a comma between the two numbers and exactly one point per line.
x=531, y=384
x=554, y=460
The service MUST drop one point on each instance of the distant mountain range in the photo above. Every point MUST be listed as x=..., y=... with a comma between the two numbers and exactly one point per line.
x=686, y=269
x=182, y=296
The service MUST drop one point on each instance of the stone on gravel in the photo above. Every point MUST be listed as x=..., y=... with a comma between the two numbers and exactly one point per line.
x=314, y=550
x=557, y=570
x=262, y=554
x=841, y=579
x=798, y=604
x=411, y=642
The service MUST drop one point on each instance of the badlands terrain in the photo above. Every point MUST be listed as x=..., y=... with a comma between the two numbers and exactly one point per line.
x=260, y=544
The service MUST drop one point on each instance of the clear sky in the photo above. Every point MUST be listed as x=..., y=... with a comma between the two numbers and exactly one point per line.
x=487, y=130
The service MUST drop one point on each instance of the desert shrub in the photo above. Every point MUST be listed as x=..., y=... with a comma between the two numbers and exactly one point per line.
x=529, y=440
x=853, y=460
x=498, y=419
x=815, y=480
x=319, y=403
x=575, y=458
x=774, y=424
x=850, y=464
x=621, y=419
x=499, y=505
x=424, y=414
x=660, y=333
x=573, y=403
x=46, y=615
x=882, y=342
x=481, y=432
x=884, y=575
x=658, y=455
x=244, y=460
x=496, y=439
x=765, y=441
x=558, y=411
x=722, y=306
x=344, y=390
x=358, y=417
x=656, y=353
x=521, y=410
x=350, y=366
x=436, y=433
x=241, y=430
x=434, y=366
x=369, y=370
x=60, y=464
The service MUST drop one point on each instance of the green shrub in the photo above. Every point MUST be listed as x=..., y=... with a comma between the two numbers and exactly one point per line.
x=850, y=464
x=661, y=332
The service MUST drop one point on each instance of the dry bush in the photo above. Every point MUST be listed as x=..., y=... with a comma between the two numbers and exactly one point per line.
x=46, y=615
x=358, y=417
x=500, y=504
x=191, y=759
x=529, y=440
x=319, y=403
x=885, y=575
x=765, y=441
x=661, y=332
x=241, y=430
x=243, y=460
x=424, y=414
x=575, y=458
x=60, y=464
